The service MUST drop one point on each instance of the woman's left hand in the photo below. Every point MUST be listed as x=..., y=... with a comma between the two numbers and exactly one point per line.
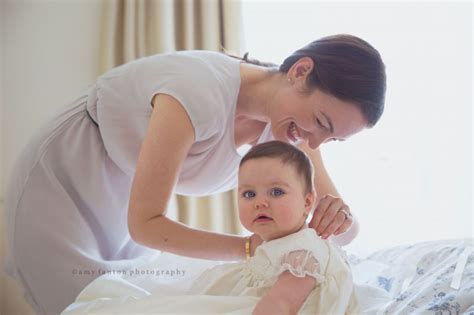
x=332, y=216
x=255, y=241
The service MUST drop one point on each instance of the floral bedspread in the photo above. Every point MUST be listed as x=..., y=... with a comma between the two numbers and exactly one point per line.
x=419, y=278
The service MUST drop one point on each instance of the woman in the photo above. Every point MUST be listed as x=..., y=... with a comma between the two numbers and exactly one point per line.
x=89, y=193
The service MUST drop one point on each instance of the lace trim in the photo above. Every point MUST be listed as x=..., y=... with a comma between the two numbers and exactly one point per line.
x=301, y=263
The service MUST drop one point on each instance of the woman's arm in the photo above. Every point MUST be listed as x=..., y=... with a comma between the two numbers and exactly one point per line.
x=287, y=295
x=322, y=182
x=166, y=144
x=324, y=187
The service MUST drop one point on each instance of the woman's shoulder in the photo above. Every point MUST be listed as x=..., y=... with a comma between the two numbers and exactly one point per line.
x=202, y=60
x=209, y=65
x=196, y=65
x=207, y=75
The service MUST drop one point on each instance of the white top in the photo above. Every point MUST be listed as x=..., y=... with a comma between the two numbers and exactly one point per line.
x=205, y=83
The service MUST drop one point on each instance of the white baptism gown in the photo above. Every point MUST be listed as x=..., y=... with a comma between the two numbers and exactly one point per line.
x=235, y=288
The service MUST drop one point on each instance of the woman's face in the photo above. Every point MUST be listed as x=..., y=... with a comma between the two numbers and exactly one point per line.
x=316, y=117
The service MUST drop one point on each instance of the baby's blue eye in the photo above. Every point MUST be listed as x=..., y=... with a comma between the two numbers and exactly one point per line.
x=277, y=192
x=248, y=194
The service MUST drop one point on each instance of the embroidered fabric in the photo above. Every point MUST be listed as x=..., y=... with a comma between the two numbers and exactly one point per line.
x=301, y=263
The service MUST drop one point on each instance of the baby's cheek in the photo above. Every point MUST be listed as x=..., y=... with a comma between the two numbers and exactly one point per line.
x=245, y=218
x=287, y=215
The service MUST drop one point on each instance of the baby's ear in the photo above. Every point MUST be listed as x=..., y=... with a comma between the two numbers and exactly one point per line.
x=310, y=200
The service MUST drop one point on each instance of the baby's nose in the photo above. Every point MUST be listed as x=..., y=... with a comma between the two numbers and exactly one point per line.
x=259, y=204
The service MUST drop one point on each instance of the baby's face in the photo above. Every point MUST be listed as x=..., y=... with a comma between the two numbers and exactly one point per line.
x=272, y=198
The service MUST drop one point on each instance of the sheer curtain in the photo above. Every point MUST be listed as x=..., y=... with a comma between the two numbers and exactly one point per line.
x=136, y=28
x=408, y=179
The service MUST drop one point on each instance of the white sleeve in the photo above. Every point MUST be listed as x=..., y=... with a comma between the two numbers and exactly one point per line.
x=302, y=254
x=189, y=80
x=301, y=263
x=200, y=98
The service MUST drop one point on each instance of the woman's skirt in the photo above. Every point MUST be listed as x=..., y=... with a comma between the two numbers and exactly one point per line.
x=66, y=211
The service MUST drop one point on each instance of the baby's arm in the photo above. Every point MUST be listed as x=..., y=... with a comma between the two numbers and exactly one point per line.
x=286, y=296
x=290, y=291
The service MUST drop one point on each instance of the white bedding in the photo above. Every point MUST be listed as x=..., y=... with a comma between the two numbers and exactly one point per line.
x=418, y=277
x=401, y=280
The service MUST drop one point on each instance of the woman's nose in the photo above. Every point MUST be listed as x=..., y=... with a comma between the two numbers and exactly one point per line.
x=314, y=142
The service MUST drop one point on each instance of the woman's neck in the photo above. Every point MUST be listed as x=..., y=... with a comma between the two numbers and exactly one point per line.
x=257, y=89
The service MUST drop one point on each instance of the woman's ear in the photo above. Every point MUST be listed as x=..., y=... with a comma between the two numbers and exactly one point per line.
x=303, y=67
x=299, y=72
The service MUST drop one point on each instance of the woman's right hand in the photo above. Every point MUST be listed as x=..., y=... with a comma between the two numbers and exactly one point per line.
x=255, y=241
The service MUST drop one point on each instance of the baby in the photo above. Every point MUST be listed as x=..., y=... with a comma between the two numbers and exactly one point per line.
x=294, y=269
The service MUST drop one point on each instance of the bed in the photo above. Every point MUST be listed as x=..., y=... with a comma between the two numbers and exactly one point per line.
x=435, y=277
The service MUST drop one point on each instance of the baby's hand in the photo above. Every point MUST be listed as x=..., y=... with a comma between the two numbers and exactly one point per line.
x=332, y=216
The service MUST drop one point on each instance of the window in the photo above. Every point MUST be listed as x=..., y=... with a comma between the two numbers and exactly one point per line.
x=410, y=178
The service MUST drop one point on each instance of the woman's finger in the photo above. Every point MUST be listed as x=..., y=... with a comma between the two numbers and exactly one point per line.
x=329, y=214
x=341, y=222
x=323, y=204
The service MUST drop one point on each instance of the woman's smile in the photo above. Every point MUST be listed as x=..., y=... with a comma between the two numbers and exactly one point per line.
x=293, y=134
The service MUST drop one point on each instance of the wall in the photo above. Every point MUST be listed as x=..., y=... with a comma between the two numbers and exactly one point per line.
x=2, y=46
x=49, y=52
x=50, y=55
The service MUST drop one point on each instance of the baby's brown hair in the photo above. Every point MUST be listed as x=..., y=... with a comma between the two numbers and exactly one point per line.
x=287, y=153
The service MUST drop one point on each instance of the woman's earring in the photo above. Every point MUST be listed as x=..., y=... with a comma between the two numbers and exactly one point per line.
x=290, y=81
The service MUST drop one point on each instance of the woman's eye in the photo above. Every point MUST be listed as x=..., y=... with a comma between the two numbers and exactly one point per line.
x=248, y=194
x=321, y=125
x=277, y=192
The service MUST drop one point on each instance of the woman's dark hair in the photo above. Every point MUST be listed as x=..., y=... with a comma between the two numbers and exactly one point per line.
x=288, y=154
x=346, y=67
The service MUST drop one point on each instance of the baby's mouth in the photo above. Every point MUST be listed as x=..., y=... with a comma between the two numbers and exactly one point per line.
x=263, y=218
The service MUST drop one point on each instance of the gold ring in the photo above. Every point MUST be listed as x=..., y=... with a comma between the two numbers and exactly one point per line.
x=346, y=214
